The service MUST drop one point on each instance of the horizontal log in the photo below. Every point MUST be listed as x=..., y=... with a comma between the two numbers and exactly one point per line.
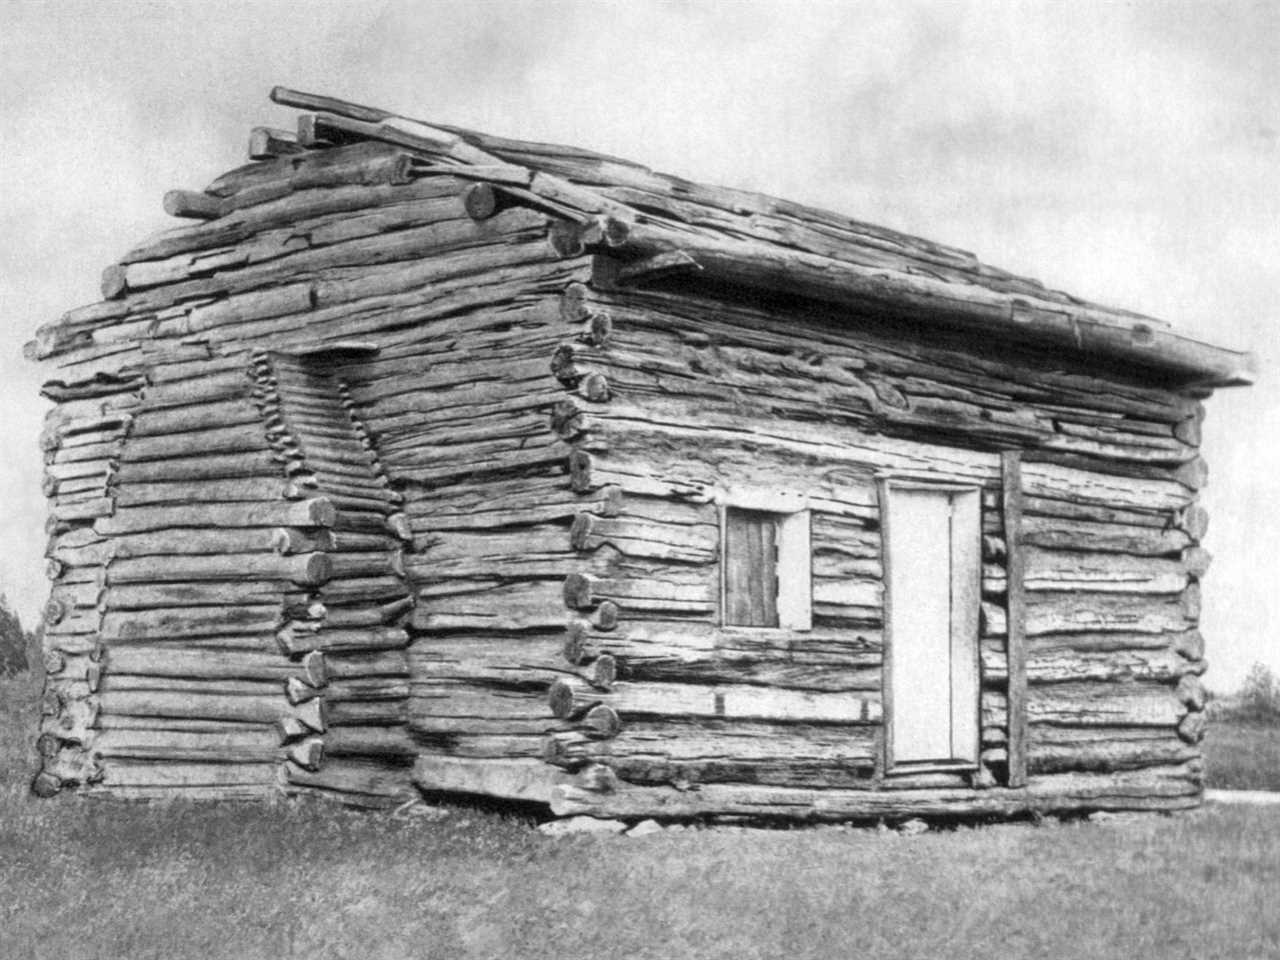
x=1064, y=570
x=255, y=745
x=1053, y=749
x=526, y=780
x=569, y=698
x=200, y=466
x=168, y=660
x=1026, y=316
x=1062, y=665
x=489, y=606
x=307, y=569
x=1076, y=704
x=141, y=779
x=232, y=592
x=244, y=437
x=318, y=512
x=187, y=622
x=245, y=489
x=1168, y=788
x=266, y=708
x=1062, y=534
x=369, y=742
x=267, y=143
x=294, y=641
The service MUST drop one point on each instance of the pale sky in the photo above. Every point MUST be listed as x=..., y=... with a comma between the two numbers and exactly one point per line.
x=1126, y=153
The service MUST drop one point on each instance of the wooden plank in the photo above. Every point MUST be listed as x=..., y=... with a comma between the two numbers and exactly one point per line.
x=966, y=591
x=919, y=580
x=751, y=568
x=1015, y=617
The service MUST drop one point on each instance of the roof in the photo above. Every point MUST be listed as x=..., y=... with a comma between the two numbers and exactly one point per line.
x=655, y=225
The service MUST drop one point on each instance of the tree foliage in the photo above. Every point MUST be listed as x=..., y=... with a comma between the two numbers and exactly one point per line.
x=15, y=642
x=1260, y=694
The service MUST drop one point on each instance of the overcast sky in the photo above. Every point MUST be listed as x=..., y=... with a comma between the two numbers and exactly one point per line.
x=1126, y=153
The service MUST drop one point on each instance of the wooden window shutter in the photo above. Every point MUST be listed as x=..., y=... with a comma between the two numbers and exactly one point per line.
x=751, y=568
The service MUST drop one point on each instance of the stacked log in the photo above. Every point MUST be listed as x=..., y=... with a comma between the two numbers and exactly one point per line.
x=405, y=460
x=1107, y=568
x=347, y=634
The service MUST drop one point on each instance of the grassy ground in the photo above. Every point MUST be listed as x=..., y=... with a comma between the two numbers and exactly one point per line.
x=80, y=878
x=1243, y=754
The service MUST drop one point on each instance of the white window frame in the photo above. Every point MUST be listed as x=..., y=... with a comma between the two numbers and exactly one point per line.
x=795, y=554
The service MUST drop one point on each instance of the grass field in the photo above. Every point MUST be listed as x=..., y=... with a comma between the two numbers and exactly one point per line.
x=83, y=878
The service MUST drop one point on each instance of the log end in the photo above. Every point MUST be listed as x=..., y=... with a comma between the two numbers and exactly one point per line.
x=603, y=721
x=595, y=387
x=1190, y=645
x=298, y=691
x=604, y=671
x=1192, y=727
x=577, y=591
x=565, y=239
x=399, y=526
x=480, y=201
x=1196, y=561
x=192, y=205
x=1195, y=522
x=560, y=698
x=308, y=754
x=566, y=420
x=580, y=471
x=575, y=643
x=317, y=569
x=321, y=512
x=580, y=531
x=563, y=367
x=45, y=784
x=114, y=282
x=600, y=329
x=1191, y=693
x=606, y=617
x=573, y=303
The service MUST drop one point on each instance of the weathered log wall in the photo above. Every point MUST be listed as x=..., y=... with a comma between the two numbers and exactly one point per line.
x=258, y=548
x=370, y=468
x=690, y=395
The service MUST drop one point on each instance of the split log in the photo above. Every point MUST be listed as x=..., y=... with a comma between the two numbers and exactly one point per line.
x=267, y=143
x=256, y=744
x=392, y=742
x=570, y=698
x=319, y=512
x=166, y=660
x=193, y=205
x=1085, y=535
x=294, y=641
x=232, y=592
x=199, y=466
x=308, y=569
x=308, y=754
x=527, y=780
x=186, y=622
x=137, y=779
x=356, y=782
x=1105, y=749
x=1076, y=704
x=1160, y=788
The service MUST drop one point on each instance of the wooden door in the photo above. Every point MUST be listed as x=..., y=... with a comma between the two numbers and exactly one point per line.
x=932, y=553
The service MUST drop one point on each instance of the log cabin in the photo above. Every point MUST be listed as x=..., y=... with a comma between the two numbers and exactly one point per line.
x=427, y=461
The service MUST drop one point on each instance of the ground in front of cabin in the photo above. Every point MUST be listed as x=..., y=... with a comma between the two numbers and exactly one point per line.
x=81, y=878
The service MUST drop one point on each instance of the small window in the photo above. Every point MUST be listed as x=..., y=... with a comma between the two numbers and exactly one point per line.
x=766, y=568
